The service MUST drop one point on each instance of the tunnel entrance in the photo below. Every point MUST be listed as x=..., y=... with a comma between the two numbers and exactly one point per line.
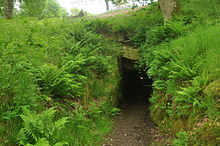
x=133, y=126
x=135, y=85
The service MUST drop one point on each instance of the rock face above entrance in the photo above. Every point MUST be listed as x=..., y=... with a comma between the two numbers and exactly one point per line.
x=130, y=53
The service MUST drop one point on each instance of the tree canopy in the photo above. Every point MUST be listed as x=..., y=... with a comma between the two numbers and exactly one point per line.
x=33, y=8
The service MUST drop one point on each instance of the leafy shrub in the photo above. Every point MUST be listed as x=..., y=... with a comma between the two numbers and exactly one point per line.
x=40, y=128
x=131, y=23
x=87, y=126
x=181, y=70
x=52, y=62
x=181, y=140
x=201, y=8
x=140, y=35
x=98, y=26
x=59, y=83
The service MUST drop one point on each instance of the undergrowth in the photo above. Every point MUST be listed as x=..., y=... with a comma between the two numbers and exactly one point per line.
x=186, y=75
x=55, y=63
x=182, y=57
x=59, y=78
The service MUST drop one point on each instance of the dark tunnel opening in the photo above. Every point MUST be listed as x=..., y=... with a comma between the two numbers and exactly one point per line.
x=136, y=86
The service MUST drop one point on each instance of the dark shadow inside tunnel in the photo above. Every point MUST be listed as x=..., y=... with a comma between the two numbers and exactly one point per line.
x=135, y=85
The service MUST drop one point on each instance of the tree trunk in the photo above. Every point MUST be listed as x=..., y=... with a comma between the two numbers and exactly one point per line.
x=168, y=8
x=8, y=8
x=107, y=5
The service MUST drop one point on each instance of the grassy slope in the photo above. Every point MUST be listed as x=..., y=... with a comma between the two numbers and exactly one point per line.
x=65, y=66
x=182, y=57
x=55, y=63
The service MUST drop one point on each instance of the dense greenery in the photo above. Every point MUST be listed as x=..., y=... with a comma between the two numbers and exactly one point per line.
x=182, y=57
x=123, y=24
x=186, y=76
x=32, y=8
x=59, y=78
x=185, y=73
x=55, y=63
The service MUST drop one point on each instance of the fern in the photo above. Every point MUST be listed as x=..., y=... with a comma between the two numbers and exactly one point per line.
x=42, y=125
x=44, y=142
x=40, y=142
x=51, y=59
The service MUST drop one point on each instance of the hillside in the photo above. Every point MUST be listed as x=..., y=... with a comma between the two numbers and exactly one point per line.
x=57, y=81
x=181, y=57
x=123, y=78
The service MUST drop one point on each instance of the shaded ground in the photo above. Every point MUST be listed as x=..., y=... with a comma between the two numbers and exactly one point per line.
x=133, y=126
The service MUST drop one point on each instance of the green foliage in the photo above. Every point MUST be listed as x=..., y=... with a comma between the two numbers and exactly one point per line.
x=151, y=36
x=60, y=83
x=53, y=9
x=74, y=11
x=130, y=23
x=36, y=8
x=33, y=8
x=40, y=128
x=99, y=26
x=88, y=126
x=1, y=8
x=181, y=70
x=181, y=139
x=206, y=133
x=66, y=63
x=202, y=8
x=182, y=57
x=54, y=62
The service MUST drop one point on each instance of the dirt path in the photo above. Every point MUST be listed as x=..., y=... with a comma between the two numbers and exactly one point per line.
x=132, y=126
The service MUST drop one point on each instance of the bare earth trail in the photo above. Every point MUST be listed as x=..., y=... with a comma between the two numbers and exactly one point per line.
x=132, y=127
